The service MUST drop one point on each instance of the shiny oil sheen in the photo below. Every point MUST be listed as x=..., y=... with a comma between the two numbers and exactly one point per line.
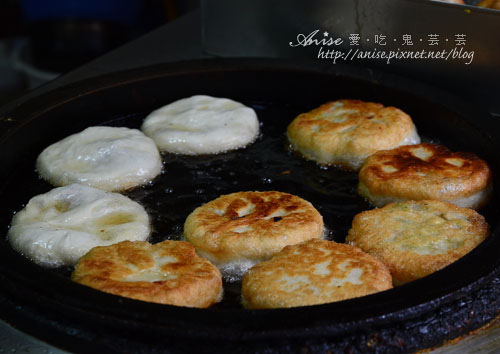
x=190, y=181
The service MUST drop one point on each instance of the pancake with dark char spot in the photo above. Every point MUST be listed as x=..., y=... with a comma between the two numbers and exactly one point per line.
x=169, y=272
x=237, y=230
x=426, y=171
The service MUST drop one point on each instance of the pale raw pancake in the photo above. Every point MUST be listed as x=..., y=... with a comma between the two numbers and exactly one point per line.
x=202, y=125
x=416, y=238
x=313, y=272
x=426, y=171
x=108, y=158
x=237, y=230
x=169, y=272
x=58, y=227
x=346, y=132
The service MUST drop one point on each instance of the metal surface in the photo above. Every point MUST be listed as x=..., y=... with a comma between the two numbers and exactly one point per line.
x=264, y=28
x=46, y=304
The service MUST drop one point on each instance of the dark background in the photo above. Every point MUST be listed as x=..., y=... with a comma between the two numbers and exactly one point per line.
x=39, y=40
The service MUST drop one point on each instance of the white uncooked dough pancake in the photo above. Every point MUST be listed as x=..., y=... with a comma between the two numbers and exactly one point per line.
x=108, y=158
x=202, y=125
x=58, y=227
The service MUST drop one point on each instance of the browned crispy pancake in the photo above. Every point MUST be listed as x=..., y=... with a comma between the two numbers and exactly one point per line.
x=237, y=230
x=416, y=238
x=346, y=132
x=313, y=272
x=425, y=171
x=169, y=272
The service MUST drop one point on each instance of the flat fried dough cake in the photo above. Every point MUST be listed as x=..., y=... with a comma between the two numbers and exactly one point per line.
x=313, y=272
x=58, y=227
x=426, y=171
x=416, y=238
x=169, y=272
x=346, y=132
x=237, y=230
x=202, y=125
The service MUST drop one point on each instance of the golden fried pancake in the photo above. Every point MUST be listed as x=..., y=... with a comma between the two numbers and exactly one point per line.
x=313, y=272
x=346, y=132
x=169, y=272
x=490, y=4
x=416, y=238
x=425, y=171
x=237, y=230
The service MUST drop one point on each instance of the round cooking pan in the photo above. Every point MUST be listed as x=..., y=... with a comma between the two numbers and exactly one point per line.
x=46, y=304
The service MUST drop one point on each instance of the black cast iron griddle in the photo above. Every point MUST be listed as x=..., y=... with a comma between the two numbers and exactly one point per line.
x=424, y=313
